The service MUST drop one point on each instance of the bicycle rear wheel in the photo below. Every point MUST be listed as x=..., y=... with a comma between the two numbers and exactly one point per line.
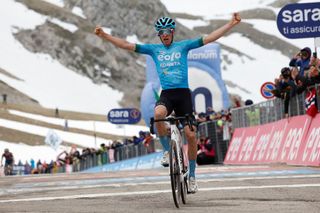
x=175, y=174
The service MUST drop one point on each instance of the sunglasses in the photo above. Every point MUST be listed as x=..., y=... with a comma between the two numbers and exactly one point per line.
x=165, y=32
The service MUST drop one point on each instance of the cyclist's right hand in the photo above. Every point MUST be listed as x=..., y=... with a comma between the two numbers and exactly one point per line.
x=98, y=31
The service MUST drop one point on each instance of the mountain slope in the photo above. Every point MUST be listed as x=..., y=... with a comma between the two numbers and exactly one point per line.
x=65, y=51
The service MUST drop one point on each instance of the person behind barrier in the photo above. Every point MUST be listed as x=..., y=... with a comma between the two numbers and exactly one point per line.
x=253, y=113
x=286, y=87
x=301, y=60
x=206, y=152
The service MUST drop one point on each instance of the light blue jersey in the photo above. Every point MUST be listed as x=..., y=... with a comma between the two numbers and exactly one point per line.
x=171, y=62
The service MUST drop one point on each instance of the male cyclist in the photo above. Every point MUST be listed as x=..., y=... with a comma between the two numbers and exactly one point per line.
x=171, y=64
x=9, y=161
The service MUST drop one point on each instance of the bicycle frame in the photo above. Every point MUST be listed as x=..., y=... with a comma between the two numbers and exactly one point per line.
x=176, y=138
x=178, y=171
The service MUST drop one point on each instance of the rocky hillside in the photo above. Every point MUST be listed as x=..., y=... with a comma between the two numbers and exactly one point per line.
x=84, y=53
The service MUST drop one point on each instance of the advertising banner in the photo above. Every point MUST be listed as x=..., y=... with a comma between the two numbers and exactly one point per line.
x=124, y=116
x=299, y=20
x=294, y=141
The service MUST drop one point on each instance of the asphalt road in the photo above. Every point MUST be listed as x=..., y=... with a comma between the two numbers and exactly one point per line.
x=222, y=189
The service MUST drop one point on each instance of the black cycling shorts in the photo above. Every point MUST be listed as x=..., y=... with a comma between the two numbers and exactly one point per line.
x=178, y=99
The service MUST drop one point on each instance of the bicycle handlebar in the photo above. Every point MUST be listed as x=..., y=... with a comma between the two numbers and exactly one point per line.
x=172, y=120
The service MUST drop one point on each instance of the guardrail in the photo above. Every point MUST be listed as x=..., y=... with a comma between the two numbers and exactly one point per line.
x=270, y=111
x=90, y=160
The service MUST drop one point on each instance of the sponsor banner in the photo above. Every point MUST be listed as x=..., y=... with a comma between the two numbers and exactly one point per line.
x=299, y=20
x=234, y=146
x=310, y=151
x=294, y=141
x=275, y=141
x=295, y=134
x=124, y=116
x=248, y=144
x=263, y=147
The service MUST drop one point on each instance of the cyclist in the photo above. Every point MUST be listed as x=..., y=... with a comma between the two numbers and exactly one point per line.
x=171, y=64
x=9, y=160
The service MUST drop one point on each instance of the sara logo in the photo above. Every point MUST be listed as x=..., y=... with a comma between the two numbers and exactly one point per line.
x=299, y=20
x=169, y=57
x=124, y=116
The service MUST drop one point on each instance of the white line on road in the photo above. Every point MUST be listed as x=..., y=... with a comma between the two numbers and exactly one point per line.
x=154, y=192
x=118, y=185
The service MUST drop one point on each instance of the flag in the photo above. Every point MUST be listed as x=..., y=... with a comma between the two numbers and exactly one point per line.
x=310, y=103
x=53, y=139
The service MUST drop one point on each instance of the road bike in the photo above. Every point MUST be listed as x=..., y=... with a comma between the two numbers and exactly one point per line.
x=8, y=170
x=177, y=157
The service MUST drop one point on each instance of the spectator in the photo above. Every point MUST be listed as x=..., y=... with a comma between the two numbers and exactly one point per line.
x=236, y=102
x=57, y=112
x=50, y=166
x=102, y=154
x=55, y=168
x=44, y=168
x=300, y=82
x=226, y=127
x=66, y=125
x=253, y=113
x=19, y=168
x=201, y=117
x=32, y=164
x=4, y=98
x=148, y=142
x=206, y=152
x=286, y=87
x=27, y=168
x=301, y=60
x=39, y=166
x=136, y=140
x=315, y=61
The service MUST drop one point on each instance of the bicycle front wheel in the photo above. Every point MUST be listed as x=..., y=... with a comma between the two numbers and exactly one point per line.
x=183, y=183
x=175, y=173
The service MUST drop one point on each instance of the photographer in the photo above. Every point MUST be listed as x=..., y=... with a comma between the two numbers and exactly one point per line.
x=301, y=60
x=285, y=87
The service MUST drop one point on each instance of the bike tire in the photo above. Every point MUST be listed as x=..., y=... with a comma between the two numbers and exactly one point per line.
x=184, y=183
x=174, y=174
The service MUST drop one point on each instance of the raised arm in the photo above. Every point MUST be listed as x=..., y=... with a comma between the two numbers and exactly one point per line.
x=222, y=30
x=118, y=42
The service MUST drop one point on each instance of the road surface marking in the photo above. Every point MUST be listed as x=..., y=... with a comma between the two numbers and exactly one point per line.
x=69, y=197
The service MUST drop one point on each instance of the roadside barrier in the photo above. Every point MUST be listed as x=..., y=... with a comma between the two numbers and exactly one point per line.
x=294, y=141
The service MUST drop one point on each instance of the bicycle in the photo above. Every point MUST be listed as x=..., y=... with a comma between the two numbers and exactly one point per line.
x=178, y=166
x=8, y=170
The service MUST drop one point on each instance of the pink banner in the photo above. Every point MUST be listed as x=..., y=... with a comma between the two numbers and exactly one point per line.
x=310, y=151
x=294, y=141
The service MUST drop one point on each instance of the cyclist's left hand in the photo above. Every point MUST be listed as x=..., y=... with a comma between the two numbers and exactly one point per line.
x=236, y=19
